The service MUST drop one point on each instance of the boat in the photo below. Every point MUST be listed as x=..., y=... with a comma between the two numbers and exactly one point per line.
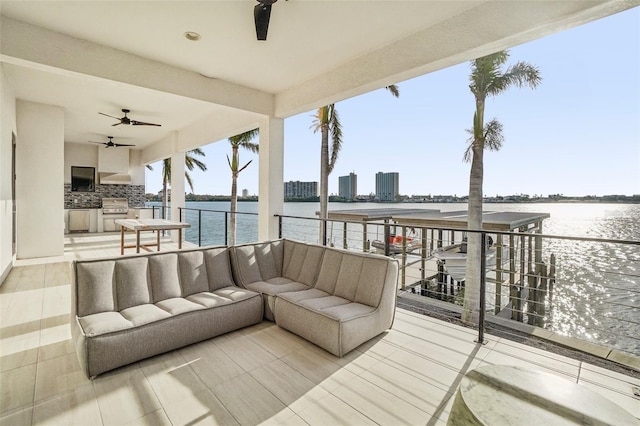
x=396, y=243
x=454, y=259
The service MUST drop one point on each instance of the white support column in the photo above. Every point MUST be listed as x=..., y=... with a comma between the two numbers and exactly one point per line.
x=177, y=188
x=271, y=189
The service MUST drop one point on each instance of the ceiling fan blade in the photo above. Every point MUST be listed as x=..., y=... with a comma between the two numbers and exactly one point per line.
x=102, y=113
x=121, y=144
x=261, y=14
x=117, y=124
x=101, y=143
x=142, y=123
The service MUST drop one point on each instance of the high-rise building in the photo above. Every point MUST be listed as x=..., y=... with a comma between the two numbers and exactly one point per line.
x=348, y=186
x=245, y=193
x=387, y=186
x=297, y=189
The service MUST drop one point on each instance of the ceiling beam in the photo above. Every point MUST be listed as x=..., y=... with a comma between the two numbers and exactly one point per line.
x=32, y=46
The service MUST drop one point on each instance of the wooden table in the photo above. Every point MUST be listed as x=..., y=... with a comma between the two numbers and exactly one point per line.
x=156, y=225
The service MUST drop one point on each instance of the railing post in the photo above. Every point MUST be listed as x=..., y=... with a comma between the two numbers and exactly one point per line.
x=483, y=286
x=324, y=232
x=226, y=228
x=386, y=238
x=199, y=228
x=279, y=226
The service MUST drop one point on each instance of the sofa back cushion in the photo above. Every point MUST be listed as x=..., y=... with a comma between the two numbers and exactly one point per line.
x=193, y=272
x=353, y=276
x=132, y=283
x=218, y=268
x=95, y=287
x=164, y=277
x=257, y=262
x=301, y=262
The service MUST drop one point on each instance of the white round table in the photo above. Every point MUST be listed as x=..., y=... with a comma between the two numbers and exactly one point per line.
x=504, y=395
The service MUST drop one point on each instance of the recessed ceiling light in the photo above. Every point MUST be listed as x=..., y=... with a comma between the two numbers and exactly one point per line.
x=192, y=36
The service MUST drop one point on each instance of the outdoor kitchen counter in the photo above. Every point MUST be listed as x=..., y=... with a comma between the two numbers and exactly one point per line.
x=139, y=225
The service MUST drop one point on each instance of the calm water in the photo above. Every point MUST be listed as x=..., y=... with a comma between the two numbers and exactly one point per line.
x=597, y=291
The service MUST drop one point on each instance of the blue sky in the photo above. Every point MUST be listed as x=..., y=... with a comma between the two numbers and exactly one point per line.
x=578, y=133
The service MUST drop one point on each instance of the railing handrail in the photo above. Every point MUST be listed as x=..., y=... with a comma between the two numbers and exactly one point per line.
x=216, y=211
x=479, y=231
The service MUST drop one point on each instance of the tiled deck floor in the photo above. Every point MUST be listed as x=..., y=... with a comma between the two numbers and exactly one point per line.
x=261, y=374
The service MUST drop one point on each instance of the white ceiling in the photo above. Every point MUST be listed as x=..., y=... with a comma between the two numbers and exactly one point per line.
x=133, y=54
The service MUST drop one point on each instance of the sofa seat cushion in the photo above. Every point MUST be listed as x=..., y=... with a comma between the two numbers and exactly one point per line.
x=103, y=323
x=298, y=296
x=144, y=314
x=221, y=297
x=348, y=311
x=337, y=308
x=178, y=305
x=276, y=286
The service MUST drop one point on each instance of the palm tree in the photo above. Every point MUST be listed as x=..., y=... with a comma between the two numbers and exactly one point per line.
x=242, y=140
x=327, y=121
x=487, y=79
x=190, y=162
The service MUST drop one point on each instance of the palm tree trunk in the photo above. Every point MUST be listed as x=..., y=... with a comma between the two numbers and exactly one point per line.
x=324, y=180
x=234, y=196
x=471, y=305
x=165, y=200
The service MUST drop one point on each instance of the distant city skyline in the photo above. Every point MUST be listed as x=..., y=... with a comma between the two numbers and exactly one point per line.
x=577, y=134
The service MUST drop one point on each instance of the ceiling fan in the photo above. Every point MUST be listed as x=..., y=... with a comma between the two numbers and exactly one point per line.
x=111, y=143
x=127, y=120
x=262, y=13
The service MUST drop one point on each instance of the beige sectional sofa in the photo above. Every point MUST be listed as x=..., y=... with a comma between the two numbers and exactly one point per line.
x=276, y=267
x=337, y=299
x=129, y=308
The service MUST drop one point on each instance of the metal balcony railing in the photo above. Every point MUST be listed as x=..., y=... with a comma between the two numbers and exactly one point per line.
x=585, y=288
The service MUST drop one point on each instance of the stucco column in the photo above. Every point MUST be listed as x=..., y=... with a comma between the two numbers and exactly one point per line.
x=39, y=180
x=271, y=187
x=177, y=188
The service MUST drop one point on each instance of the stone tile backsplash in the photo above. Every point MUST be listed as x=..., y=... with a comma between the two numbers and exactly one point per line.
x=93, y=200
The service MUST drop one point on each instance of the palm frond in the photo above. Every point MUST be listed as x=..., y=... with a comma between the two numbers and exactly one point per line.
x=192, y=162
x=320, y=118
x=244, y=139
x=187, y=177
x=245, y=166
x=335, y=128
x=393, y=89
x=493, y=135
x=149, y=166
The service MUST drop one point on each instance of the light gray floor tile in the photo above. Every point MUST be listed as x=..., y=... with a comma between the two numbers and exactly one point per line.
x=78, y=407
x=59, y=375
x=210, y=363
x=283, y=381
x=124, y=395
x=244, y=351
x=201, y=409
x=17, y=389
x=17, y=417
x=157, y=418
x=171, y=378
x=247, y=400
x=333, y=411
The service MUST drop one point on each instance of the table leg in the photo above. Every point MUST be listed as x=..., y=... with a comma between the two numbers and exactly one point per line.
x=121, y=240
x=179, y=238
x=158, y=239
x=137, y=241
